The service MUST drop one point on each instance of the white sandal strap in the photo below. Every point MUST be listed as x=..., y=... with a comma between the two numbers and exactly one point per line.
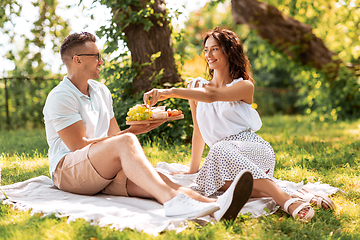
x=319, y=201
x=320, y=198
x=307, y=197
x=299, y=208
x=289, y=202
x=303, y=205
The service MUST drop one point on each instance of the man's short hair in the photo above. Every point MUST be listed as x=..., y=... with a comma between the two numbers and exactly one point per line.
x=73, y=41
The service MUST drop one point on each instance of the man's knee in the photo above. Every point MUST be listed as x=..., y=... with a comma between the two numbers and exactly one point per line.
x=126, y=139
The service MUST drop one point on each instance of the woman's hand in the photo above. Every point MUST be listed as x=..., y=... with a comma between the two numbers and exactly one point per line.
x=153, y=96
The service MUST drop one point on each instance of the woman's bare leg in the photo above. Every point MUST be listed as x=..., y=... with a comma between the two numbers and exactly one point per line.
x=267, y=188
x=186, y=190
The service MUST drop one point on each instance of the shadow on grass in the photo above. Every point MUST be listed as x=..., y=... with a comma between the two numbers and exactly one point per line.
x=10, y=175
x=32, y=143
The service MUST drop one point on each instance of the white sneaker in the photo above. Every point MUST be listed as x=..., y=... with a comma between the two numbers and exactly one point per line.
x=235, y=197
x=183, y=206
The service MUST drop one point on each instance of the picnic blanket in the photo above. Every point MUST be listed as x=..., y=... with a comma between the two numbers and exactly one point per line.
x=40, y=196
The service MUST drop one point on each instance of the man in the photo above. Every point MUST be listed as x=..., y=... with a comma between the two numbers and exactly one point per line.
x=89, y=153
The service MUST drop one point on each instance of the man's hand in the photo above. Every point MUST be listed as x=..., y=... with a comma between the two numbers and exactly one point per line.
x=144, y=128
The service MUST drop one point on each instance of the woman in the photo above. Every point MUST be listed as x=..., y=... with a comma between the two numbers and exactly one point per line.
x=224, y=119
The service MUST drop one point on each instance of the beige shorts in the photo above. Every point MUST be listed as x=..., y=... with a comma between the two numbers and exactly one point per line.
x=76, y=174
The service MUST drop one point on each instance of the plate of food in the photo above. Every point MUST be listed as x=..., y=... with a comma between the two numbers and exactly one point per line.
x=140, y=114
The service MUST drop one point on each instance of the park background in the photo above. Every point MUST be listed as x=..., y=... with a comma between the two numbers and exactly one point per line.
x=305, y=60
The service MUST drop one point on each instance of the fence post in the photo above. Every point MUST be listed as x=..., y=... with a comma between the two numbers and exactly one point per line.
x=7, y=105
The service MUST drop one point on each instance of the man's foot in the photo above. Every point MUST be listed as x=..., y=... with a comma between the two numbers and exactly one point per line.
x=235, y=197
x=182, y=206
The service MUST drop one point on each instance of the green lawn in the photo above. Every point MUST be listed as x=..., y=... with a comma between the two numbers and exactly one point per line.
x=305, y=151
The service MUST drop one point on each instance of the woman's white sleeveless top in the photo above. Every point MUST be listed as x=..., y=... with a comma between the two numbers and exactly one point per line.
x=221, y=119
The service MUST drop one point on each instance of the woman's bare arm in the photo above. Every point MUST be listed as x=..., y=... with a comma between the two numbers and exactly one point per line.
x=240, y=91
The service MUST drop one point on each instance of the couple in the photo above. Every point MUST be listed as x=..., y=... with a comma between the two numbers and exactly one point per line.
x=89, y=153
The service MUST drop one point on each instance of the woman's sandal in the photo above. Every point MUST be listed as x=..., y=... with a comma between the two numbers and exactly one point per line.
x=304, y=205
x=309, y=195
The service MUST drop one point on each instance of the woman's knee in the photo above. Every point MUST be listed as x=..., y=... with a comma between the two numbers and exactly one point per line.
x=219, y=146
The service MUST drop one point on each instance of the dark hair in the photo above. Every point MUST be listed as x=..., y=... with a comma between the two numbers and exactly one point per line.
x=232, y=47
x=73, y=41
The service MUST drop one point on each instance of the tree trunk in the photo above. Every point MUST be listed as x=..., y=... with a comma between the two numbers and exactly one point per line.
x=142, y=44
x=287, y=34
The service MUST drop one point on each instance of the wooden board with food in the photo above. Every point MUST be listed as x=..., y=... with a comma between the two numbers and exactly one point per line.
x=155, y=120
x=140, y=114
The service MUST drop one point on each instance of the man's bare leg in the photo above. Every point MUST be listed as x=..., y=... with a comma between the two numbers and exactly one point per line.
x=125, y=152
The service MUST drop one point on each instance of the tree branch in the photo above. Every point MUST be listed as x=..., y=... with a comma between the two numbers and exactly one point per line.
x=294, y=38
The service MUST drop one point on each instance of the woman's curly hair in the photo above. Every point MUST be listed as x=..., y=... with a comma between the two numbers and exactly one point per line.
x=232, y=47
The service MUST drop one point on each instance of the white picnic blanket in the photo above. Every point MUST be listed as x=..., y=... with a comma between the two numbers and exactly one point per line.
x=39, y=195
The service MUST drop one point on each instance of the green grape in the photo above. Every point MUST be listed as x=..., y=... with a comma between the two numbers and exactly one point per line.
x=146, y=115
x=138, y=112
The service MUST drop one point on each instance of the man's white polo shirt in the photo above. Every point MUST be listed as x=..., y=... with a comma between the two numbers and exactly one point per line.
x=66, y=105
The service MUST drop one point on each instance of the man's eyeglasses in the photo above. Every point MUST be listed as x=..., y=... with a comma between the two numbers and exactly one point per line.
x=90, y=55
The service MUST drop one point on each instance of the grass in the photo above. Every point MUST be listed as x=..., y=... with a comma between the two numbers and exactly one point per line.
x=305, y=151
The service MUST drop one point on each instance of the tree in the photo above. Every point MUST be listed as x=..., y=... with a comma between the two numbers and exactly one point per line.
x=28, y=84
x=276, y=87
x=145, y=28
x=308, y=90
x=338, y=95
x=48, y=25
x=13, y=9
x=142, y=30
x=296, y=39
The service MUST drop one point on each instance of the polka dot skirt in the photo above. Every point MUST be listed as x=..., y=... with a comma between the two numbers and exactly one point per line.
x=231, y=155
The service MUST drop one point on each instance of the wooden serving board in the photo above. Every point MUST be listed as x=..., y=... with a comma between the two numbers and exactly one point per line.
x=181, y=116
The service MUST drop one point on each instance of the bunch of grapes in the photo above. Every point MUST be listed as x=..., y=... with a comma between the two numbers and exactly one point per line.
x=138, y=112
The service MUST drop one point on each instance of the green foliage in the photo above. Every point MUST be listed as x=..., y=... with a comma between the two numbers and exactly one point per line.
x=336, y=22
x=8, y=8
x=27, y=61
x=26, y=99
x=306, y=150
x=329, y=99
x=119, y=79
x=128, y=12
x=31, y=79
x=283, y=84
x=276, y=88
x=121, y=71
